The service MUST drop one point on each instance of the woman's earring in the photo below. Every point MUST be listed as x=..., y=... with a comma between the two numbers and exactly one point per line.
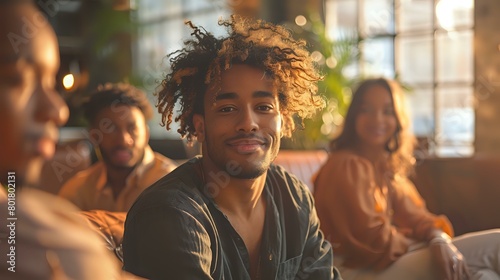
x=98, y=153
x=392, y=144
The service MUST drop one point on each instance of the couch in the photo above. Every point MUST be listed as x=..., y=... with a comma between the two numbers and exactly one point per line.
x=303, y=164
x=464, y=189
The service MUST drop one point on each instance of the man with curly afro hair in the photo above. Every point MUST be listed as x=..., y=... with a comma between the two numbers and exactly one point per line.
x=230, y=213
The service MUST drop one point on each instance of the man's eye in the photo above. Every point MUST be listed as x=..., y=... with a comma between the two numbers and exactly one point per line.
x=264, y=107
x=226, y=109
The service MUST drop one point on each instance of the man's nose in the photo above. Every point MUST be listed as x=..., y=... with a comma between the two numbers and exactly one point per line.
x=125, y=138
x=247, y=121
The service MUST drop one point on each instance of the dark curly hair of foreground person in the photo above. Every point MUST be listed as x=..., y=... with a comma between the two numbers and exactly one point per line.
x=197, y=68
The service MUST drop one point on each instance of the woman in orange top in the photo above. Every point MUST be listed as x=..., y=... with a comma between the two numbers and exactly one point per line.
x=373, y=215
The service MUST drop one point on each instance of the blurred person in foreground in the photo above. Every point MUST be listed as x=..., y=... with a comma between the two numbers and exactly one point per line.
x=231, y=213
x=117, y=115
x=40, y=238
x=372, y=213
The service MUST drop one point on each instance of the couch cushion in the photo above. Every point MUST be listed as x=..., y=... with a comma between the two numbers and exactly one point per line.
x=303, y=164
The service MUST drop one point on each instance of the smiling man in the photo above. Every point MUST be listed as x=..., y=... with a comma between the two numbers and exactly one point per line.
x=118, y=115
x=231, y=213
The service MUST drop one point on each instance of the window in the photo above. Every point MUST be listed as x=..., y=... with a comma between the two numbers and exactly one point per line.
x=428, y=46
x=162, y=31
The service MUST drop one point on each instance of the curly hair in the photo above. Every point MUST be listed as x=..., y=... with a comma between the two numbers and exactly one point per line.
x=400, y=146
x=116, y=94
x=197, y=68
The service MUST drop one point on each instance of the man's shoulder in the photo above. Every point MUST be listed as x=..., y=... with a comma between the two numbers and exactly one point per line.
x=280, y=173
x=94, y=169
x=288, y=183
x=165, y=161
x=177, y=188
x=86, y=177
x=156, y=169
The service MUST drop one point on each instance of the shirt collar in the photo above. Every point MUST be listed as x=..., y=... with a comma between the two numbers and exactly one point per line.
x=147, y=161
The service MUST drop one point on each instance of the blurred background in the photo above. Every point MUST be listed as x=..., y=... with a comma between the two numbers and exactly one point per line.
x=445, y=53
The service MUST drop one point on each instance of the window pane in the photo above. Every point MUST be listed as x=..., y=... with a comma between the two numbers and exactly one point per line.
x=341, y=18
x=351, y=71
x=455, y=13
x=420, y=105
x=154, y=43
x=456, y=116
x=162, y=31
x=153, y=9
x=455, y=56
x=455, y=151
x=377, y=17
x=415, y=59
x=378, y=57
x=415, y=15
x=209, y=21
x=197, y=5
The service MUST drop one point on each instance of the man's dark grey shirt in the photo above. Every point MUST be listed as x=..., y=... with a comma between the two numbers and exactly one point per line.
x=175, y=231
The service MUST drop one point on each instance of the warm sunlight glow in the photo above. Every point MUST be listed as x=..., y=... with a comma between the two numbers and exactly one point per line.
x=331, y=62
x=68, y=81
x=447, y=11
x=317, y=56
x=300, y=20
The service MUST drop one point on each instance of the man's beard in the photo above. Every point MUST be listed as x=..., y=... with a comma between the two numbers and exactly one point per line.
x=249, y=171
x=110, y=164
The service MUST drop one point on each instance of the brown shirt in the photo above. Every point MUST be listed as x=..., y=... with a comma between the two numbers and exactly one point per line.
x=88, y=189
x=370, y=225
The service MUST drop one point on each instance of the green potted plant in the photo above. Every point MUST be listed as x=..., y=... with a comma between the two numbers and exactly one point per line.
x=332, y=57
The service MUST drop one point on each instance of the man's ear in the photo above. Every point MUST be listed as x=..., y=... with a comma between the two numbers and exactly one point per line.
x=282, y=125
x=199, y=127
x=147, y=133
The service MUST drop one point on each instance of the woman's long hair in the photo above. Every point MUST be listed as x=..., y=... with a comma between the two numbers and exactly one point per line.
x=400, y=146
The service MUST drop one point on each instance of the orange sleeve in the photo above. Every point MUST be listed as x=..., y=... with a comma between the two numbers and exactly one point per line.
x=71, y=190
x=411, y=214
x=351, y=215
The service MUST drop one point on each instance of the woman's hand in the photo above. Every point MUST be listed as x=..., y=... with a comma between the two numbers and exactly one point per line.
x=451, y=263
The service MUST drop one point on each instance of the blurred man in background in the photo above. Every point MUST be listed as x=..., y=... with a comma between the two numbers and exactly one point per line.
x=118, y=115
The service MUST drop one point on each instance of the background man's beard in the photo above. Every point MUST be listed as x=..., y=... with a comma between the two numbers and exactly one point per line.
x=110, y=163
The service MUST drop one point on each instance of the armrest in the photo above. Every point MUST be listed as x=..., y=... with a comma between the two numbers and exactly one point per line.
x=109, y=226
